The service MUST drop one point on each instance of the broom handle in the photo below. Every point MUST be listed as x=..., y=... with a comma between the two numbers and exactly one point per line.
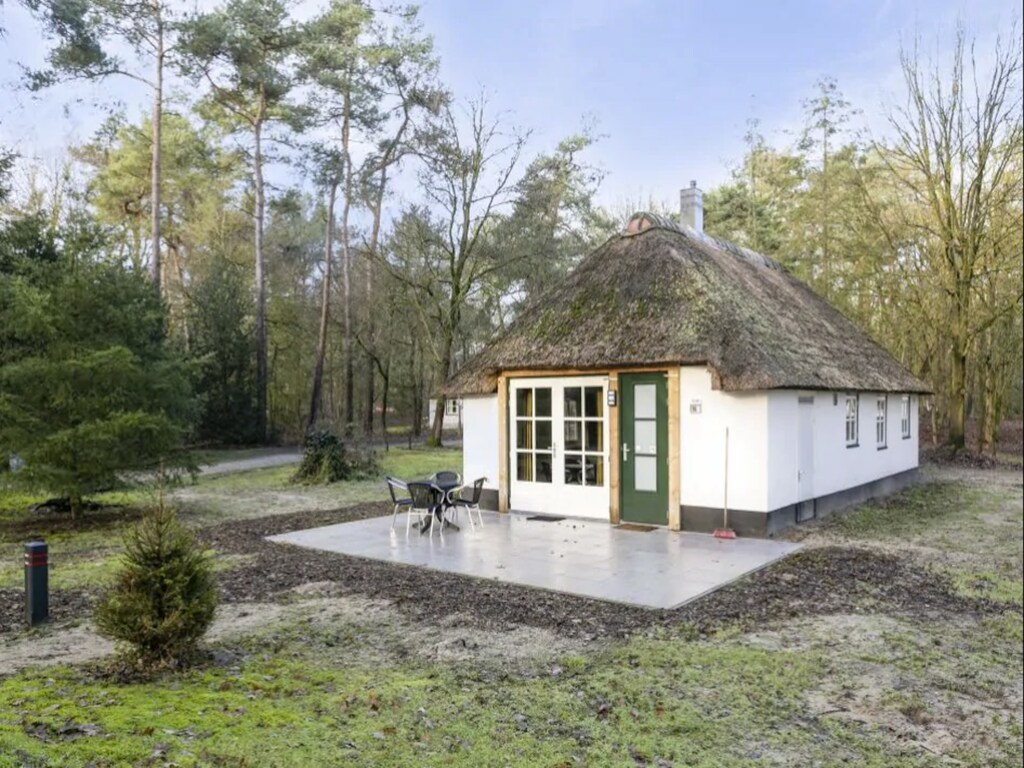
x=725, y=495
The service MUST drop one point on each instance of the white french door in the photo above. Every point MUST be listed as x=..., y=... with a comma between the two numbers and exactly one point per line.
x=558, y=446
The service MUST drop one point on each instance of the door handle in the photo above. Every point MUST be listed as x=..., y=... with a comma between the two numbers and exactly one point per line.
x=625, y=451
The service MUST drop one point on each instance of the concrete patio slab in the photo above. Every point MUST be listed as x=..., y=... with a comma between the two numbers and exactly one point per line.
x=654, y=569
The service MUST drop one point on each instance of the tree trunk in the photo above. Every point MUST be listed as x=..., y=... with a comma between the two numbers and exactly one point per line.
x=369, y=383
x=958, y=371
x=958, y=401
x=417, y=391
x=444, y=367
x=385, y=386
x=346, y=263
x=156, y=270
x=261, y=290
x=325, y=313
x=174, y=251
x=75, y=501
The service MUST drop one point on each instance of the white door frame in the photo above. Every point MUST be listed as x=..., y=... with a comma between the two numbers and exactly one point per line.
x=557, y=497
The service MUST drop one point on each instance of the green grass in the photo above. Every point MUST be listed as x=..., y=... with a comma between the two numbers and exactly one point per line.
x=688, y=703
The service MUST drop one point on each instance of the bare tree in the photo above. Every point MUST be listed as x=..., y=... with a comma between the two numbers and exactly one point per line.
x=467, y=177
x=956, y=142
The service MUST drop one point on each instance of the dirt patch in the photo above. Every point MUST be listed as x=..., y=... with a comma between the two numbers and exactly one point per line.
x=54, y=644
x=66, y=605
x=47, y=522
x=348, y=629
x=356, y=629
x=835, y=580
x=824, y=580
x=819, y=581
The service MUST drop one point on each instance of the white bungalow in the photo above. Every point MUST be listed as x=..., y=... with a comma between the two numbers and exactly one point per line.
x=672, y=376
x=452, y=413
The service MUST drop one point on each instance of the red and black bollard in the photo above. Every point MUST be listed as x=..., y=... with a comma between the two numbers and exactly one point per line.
x=37, y=582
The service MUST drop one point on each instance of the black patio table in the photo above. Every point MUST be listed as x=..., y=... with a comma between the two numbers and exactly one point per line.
x=448, y=487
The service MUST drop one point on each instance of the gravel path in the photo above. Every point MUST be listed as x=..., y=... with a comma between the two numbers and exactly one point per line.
x=276, y=459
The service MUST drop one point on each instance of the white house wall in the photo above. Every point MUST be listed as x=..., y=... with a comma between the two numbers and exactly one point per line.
x=836, y=467
x=702, y=444
x=480, y=439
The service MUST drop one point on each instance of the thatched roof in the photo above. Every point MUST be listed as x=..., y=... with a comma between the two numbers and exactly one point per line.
x=665, y=294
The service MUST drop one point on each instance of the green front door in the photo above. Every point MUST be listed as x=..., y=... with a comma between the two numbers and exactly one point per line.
x=643, y=458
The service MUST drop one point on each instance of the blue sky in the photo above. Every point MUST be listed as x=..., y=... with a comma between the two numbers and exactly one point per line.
x=669, y=84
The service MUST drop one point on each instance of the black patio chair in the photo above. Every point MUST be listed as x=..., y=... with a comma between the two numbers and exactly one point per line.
x=400, y=498
x=427, y=501
x=472, y=502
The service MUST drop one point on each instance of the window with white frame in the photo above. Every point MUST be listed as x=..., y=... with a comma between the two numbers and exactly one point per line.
x=451, y=407
x=852, y=402
x=881, y=404
x=905, y=416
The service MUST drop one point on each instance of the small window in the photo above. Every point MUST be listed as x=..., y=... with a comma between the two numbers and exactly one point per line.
x=451, y=407
x=852, y=401
x=905, y=416
x=880, y=427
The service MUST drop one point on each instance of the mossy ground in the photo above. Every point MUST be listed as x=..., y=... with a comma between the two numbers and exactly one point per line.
x=683, y=703
x=864, y=689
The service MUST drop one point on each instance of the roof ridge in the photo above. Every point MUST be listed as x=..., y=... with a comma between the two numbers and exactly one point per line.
x=658, y=221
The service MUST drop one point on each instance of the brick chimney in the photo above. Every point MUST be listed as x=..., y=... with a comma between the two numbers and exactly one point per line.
x=691, y=207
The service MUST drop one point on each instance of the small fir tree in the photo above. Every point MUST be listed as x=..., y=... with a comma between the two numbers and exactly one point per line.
x=164, y=598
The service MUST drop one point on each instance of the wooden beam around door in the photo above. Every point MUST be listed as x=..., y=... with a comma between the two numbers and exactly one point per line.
x=503, y=457
x=613, y=450
x=674, y=521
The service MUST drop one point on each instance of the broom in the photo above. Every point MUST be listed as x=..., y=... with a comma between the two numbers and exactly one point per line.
x=725, y=532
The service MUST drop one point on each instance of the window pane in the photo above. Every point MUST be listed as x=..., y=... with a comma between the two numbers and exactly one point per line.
x=644, y=402
x=594, y=431
x=524, y=467
x=594, y=470
x=524, y=434
x=645, y=437
x=573, y=402
x=543, y=434
x=573, y=436
x=543, y=401
x=524, y=402
x=645, y=473
x=544, y=472
x=851, y=408
x=573, y=469
x=593, y=402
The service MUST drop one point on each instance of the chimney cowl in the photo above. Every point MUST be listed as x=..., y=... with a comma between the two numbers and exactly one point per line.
x=691, y=207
